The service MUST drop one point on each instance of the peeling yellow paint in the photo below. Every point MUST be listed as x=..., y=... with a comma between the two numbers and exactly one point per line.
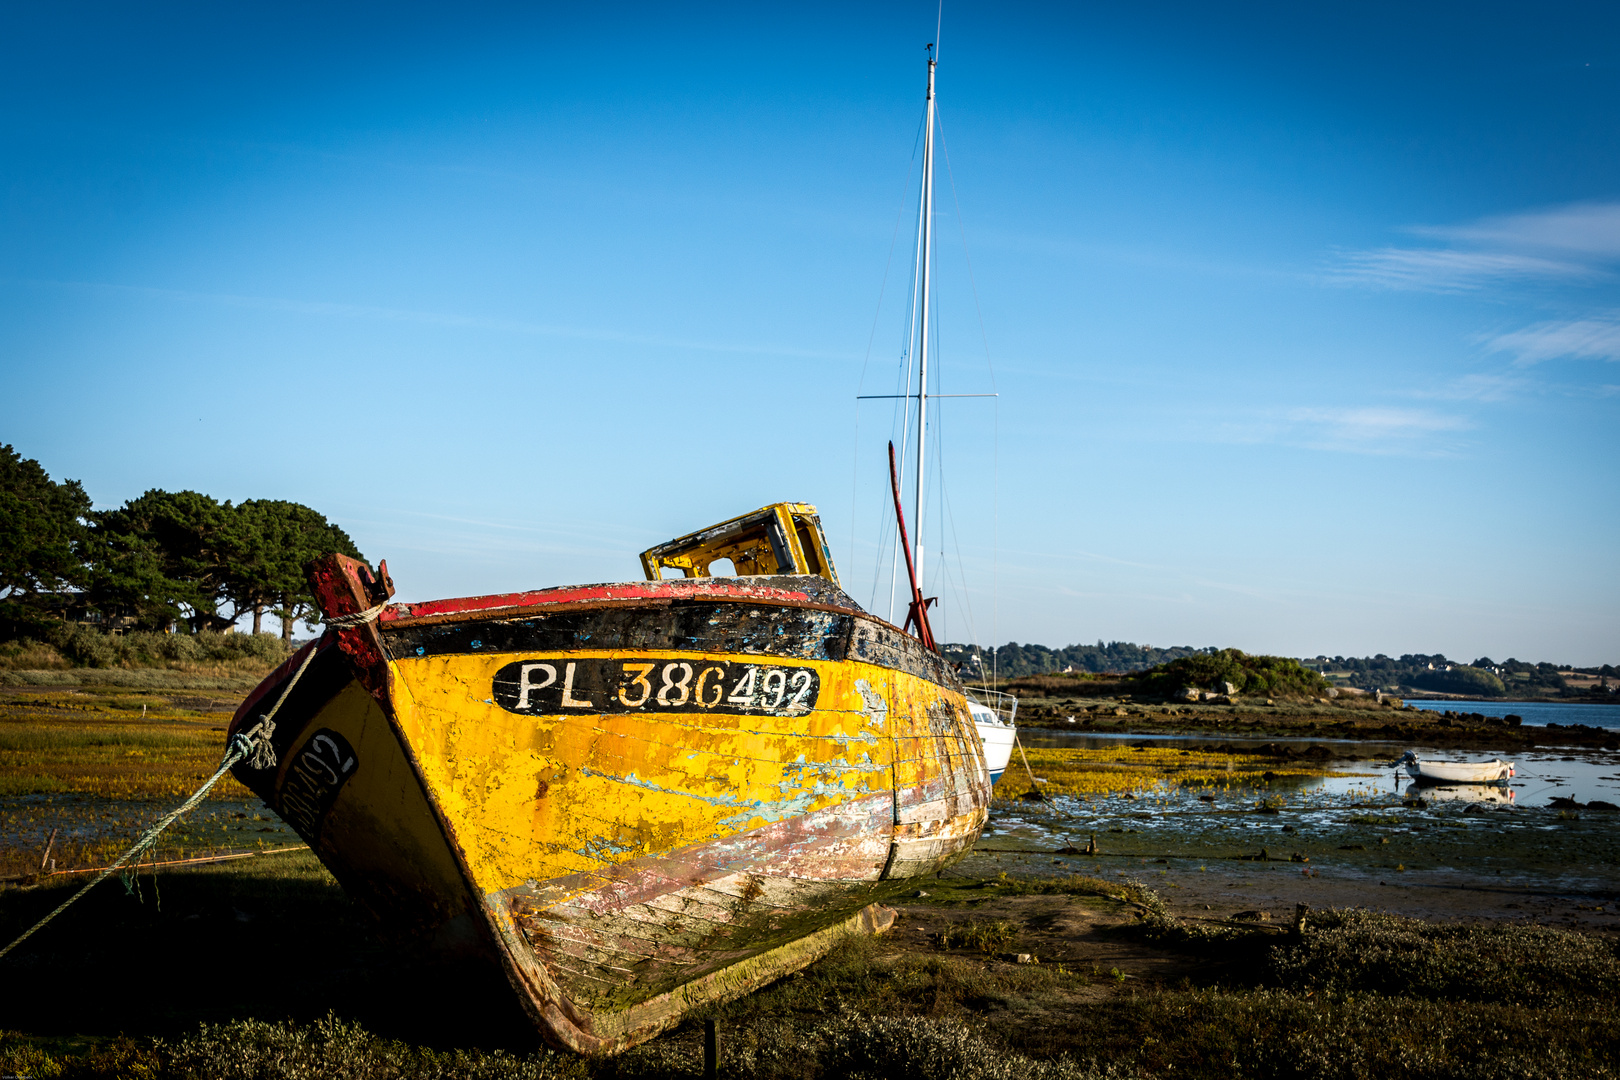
x=532, y=798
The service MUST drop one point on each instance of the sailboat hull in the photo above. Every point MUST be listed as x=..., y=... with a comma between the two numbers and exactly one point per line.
x=639, y=799
x=997, y=738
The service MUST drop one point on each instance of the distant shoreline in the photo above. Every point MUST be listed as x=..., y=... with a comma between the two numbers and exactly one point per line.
x=1611, y=700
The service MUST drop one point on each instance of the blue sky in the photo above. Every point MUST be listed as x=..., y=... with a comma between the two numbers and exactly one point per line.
x=1304, y=323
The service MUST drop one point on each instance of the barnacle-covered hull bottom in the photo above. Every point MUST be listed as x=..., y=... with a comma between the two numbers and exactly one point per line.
x=632, y=832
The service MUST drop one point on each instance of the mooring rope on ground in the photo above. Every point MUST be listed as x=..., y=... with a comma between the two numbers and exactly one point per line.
x=198, y=861
x=1034, y=784
x=253, y=746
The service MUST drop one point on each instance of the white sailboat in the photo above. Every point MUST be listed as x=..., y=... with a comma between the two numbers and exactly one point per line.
x=995, y=718
x=994, y=713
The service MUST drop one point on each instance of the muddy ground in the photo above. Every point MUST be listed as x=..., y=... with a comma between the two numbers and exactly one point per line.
x=1274, y=890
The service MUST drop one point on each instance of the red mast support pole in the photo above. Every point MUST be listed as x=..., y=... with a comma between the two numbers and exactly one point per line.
x=918, y=612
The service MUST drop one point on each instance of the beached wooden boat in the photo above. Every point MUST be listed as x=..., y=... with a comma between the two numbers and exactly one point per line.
x=1457, y=772
x=639, y=798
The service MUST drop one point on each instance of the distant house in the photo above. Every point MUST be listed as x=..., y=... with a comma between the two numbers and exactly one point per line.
x=74, y=607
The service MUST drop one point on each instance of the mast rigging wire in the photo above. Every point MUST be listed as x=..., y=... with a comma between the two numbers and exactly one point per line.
x=855, y=468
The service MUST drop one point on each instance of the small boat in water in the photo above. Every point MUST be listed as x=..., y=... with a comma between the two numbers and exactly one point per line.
x=639, y=799
x=1456, y=772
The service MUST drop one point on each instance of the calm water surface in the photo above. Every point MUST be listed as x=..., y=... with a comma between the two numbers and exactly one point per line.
x=1539, y=713
x=1541, y=774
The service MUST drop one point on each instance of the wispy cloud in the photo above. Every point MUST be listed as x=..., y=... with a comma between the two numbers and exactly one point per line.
x=1446, y=270
x=1594, y=338
x=1372, y=430
x=447, y=319
x=1357, y=430
x=1480, y=386
x=1589, y=227
x=1578, y=241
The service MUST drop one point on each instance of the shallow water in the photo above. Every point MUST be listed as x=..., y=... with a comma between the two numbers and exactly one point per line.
x=1363, y=817
x=1542, y=774
x=1535, y=713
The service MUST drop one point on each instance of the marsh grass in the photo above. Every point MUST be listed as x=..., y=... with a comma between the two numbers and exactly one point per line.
x=99, y=766
x=328, y=1049
x=200, y=677
x=1358, y=997
x=1146, y=770
x=987, y=937
x=869, y=976
x=107, y=748
x=1511, y=964
x=1374, y=819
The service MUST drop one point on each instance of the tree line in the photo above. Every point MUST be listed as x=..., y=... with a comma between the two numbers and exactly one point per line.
x=1013, y=660
x=162, y=560
x=1483, y=677
x=1424, y=671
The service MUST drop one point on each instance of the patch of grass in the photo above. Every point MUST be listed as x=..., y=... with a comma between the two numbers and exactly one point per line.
x=1128, y=890
x=1227, y=1034
x=1512, y=964
x=866, y=976
x=1374, y=819
x=330, y=1049
x=198, y=677
x=105, y=746
x=987, y=937
x=915, y=1047
x=1213, y=1034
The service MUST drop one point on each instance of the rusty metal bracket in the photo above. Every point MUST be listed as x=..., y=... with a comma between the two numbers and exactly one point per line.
x=350, y=597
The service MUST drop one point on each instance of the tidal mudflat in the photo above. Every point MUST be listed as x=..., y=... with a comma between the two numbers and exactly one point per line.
x=84, y=771
x=1345, y=830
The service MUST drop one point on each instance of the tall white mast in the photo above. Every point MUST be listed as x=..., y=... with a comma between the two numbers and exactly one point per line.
x=924, y=255
x=905, y=428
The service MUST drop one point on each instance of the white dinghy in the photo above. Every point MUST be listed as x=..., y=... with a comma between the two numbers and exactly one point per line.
x=1457, y=772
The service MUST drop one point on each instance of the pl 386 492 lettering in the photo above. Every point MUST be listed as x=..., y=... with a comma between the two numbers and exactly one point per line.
x=605, y=685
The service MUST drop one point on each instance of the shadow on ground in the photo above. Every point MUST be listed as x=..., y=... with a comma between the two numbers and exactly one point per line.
x=271, y=937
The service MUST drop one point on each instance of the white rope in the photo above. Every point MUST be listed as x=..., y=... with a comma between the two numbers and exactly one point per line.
x=253, y=745
x=358, y=618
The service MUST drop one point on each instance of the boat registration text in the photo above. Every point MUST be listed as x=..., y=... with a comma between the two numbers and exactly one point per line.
x=613, y=685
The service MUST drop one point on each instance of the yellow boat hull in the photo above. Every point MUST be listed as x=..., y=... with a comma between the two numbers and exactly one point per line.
x=699, y=806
